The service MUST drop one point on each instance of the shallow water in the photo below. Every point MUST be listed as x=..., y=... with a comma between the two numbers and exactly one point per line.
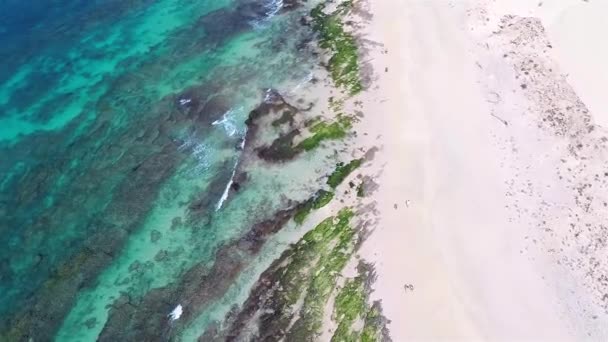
x=121, y=132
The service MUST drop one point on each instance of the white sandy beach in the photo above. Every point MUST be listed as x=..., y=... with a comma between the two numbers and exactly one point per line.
x=491, y=171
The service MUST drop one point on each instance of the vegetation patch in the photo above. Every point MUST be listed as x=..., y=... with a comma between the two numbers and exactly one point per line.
x=324, y=130
x=342, y=171
x=329, y=246
x=283, y=148
x=318, y=201
x=343, y=64
x=351, y=306
x=374, y=328
x=289, y=300
x=313, y=121
x=336, y=105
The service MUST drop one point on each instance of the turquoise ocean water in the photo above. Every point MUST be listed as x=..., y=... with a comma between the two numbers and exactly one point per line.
x=122, y=129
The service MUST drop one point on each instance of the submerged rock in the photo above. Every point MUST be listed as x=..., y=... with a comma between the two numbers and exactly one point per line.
x=281, y=149
x=155, y=235
x=279, y=112
x=147, y=319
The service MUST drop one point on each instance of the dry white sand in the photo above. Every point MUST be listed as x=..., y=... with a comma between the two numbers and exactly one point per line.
x=491, y=171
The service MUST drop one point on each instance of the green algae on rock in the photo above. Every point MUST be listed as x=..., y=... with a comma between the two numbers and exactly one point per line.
x=331, y=260
x=291, y=295
x=342, y=171
x=319, y=200
x=283, y=148
x=374, y=328
x=343, y=64
x=351, y=305
x=324, y=130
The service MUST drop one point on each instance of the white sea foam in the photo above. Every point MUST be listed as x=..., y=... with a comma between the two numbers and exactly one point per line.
x=186, y=144
x=227, y=189
x=272, y=7
x=176, y=313
x=244, y=139
x=199, y=151
x=228, y=121
x=268, y=95
x=306, y=80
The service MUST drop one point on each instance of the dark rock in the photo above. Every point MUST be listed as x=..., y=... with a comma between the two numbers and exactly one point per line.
x=161, y=256
x=155, y=235
x=135, y=266
x=90, y=323
x=238, y=181
x=176, y=222
x=281, y=149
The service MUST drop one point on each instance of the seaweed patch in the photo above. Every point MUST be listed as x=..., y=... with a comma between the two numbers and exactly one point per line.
x=319, y=200
x=342, y=171
x=343, y=64
x=351, y=306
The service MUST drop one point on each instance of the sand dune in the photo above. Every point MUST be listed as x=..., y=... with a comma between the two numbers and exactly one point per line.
x=492, y=185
